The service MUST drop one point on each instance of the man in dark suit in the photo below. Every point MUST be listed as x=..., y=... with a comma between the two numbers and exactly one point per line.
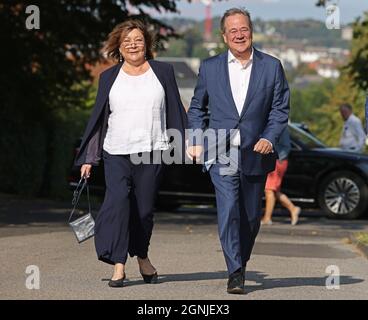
x=247, y=95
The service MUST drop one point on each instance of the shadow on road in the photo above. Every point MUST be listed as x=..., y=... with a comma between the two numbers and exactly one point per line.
x=264, y=283
x=18, y=211
x=261, y=279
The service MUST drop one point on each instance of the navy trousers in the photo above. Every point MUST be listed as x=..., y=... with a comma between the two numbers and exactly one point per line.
x=125, y=221
x=239, y=211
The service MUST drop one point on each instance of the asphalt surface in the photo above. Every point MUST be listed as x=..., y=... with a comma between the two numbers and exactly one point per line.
x=287, y=262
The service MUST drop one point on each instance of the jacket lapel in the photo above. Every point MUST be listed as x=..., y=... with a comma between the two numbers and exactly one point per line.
x=255, y=76
x=110, y=79
x=158, y=72
x=226, y=82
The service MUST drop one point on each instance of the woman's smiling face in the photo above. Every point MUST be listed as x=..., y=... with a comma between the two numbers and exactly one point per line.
x=133, y=46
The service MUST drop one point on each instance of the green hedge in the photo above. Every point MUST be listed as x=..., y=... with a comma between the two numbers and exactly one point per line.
x=37, y=156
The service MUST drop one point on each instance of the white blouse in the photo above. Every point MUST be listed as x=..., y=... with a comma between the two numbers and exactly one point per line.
x=137, y=122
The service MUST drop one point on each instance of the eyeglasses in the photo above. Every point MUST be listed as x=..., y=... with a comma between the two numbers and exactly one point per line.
x=234, y=32
x=136, y=43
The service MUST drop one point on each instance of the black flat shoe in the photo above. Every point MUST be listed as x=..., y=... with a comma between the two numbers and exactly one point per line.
x=152, y=278
x=117, y=283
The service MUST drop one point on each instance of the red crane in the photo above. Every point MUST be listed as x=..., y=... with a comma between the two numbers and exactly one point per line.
x=208, y=19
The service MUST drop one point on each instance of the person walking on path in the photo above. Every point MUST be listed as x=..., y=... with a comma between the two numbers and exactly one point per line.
x=137, y=103
x=274, y=181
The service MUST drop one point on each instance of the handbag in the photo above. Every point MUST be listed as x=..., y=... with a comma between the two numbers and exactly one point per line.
x=84, y=226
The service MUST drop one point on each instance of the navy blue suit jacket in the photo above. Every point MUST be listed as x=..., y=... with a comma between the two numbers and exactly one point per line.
x=90, y=150
x=265, y=111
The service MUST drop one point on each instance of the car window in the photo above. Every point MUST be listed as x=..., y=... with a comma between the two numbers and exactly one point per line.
x=304, y=137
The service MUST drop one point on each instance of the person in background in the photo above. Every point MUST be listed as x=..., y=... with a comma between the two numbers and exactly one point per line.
x=353, y=136
x=274, y=181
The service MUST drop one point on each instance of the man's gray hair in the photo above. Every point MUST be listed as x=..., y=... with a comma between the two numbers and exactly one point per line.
x=232, y=12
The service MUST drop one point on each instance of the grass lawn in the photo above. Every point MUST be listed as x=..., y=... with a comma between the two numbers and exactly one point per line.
x=362, y=238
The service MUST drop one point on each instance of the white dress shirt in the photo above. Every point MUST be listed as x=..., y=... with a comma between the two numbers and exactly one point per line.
x=239, y=75
x=353, y=135
x=137, y=122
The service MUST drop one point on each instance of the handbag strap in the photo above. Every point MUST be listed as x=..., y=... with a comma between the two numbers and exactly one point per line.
x=77, y=193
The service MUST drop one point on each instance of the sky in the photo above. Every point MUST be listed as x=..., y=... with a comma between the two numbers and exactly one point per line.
x=274, y=9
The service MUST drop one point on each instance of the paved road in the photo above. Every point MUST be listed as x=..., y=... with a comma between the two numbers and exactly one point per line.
x=288, y=262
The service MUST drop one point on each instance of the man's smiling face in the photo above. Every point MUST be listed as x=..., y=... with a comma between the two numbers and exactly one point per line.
x=238, y=33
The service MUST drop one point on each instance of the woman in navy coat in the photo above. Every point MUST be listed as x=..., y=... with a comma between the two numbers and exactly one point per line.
x=137, y=105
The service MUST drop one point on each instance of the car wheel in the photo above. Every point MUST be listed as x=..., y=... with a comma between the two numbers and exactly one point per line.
x=343, y=195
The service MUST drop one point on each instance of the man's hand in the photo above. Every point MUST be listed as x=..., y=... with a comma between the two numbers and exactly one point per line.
x=263, y=146
x=194, y=152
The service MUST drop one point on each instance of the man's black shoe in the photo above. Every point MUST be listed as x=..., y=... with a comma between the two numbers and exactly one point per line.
x=235, y=284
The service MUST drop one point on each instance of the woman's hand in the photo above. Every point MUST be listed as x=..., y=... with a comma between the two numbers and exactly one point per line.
x=86, y=170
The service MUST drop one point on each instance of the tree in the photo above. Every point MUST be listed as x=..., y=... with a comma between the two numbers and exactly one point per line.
x=193, y=38
x=321, y=3
x=188, y=44
x=320, y=109
x=328, y=123
x=358, y=64
x=306, y=104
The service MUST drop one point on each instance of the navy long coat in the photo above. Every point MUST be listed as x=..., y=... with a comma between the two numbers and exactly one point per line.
x=90, y=150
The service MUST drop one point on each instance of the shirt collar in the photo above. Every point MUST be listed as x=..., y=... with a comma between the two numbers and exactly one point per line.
x=231, y=58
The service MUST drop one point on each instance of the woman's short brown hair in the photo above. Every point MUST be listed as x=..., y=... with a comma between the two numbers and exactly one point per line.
x=112, y=44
